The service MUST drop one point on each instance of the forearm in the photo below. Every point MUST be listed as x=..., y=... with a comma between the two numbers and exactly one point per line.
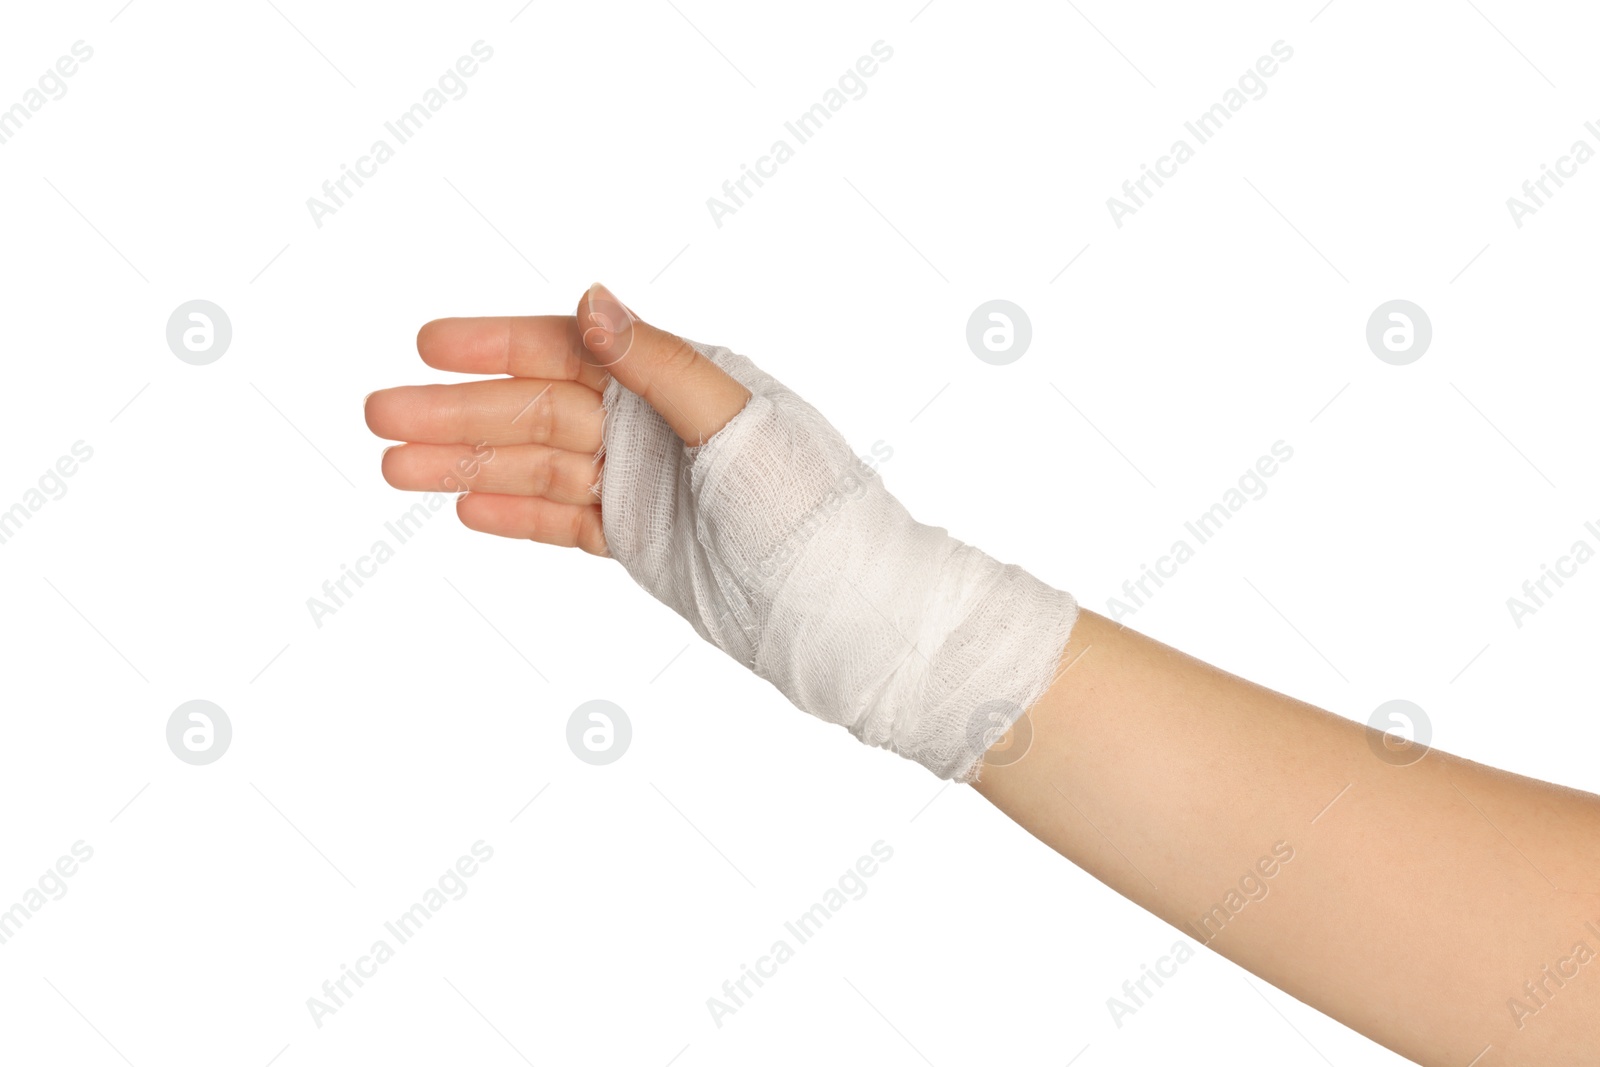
x=1417, y=900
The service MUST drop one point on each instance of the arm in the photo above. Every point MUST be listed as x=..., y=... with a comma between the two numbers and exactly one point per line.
x=1410, y=899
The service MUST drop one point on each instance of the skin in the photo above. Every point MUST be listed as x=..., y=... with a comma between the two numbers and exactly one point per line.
x=1411, y=894
x=1419, y=899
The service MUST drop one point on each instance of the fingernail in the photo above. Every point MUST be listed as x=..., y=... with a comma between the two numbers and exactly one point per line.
x=608, y=327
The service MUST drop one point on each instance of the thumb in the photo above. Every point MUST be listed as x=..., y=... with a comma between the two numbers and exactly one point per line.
x=694, y=395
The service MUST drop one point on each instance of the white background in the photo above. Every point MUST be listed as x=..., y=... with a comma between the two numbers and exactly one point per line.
x=369, y=753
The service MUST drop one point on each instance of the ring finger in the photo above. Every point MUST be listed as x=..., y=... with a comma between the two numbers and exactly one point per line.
x=515, y=470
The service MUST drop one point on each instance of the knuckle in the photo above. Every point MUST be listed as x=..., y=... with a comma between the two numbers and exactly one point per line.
x=540, y=476
x=541, y=417
x=595, y=543
x=577, y=533
x=678, y=355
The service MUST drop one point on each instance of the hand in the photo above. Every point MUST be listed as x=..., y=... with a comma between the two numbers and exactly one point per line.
x=775, y=541
x=525, y=445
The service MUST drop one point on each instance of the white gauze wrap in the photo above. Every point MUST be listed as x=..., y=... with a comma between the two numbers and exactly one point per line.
x=784, y=549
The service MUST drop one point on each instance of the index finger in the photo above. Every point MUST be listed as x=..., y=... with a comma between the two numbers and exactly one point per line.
x=524, y=346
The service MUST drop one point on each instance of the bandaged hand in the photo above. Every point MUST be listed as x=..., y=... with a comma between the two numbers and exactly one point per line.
x=735, y=503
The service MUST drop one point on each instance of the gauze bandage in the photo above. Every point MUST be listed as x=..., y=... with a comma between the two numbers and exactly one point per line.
x=784, y=549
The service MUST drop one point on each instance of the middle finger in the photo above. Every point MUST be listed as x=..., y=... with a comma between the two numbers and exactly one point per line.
x=499, y=411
